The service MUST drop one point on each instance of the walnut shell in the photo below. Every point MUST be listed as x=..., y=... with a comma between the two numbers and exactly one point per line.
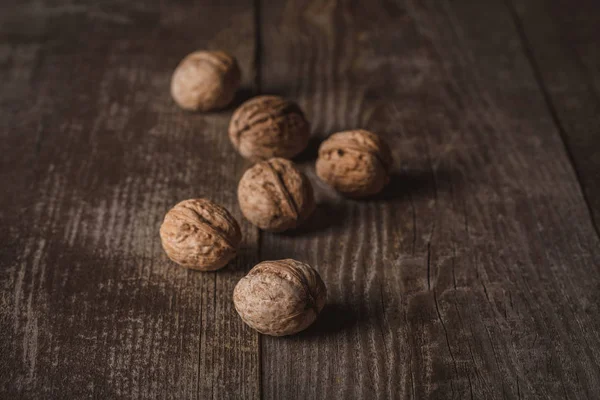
x=275, y=196
x=205, y=80
x=281, y=297
x=356, y=163
x=269, y=126
x=200, y=234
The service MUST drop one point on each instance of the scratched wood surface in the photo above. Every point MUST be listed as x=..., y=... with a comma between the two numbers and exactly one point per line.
x=474, y=275
x=95, y=152
x=564, y=50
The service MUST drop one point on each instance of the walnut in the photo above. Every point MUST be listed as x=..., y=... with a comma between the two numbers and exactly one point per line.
x=356, y=163
x=280, y=298
x=275, y=196
x=200, y=234
x=269, y=126
x=205, y=80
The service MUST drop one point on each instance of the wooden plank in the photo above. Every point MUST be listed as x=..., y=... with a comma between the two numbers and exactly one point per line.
x=562, y=42
x=476, y=274
x=94, y=153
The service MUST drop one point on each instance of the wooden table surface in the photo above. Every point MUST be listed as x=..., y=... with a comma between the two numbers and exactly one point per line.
x=475, y=275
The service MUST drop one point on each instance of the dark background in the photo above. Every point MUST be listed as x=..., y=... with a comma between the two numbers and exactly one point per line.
x=475, y=275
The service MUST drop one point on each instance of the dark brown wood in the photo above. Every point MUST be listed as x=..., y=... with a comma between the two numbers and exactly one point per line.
x=476, y=274
x=94, y=153
x=562, y=42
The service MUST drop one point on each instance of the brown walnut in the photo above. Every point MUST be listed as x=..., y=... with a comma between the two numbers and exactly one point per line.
x=356, y=163
x=200, y=234
x=205, y=80
x=281, y=297
x=275, y=196
x=269, y=126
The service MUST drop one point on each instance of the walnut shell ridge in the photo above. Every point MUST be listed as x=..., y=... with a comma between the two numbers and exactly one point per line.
x=356, y=163
x=200, y=234
x=275, y=195
x=281, y=297
x=205, y=80
x=269, y=126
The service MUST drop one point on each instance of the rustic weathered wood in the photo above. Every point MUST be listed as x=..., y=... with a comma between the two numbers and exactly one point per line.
x=476, y=274
x=94, y=152
x=562, y=42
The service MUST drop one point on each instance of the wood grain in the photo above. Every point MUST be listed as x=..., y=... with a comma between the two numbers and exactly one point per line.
x=476, y=274
x=562, y=42
x=95, y=152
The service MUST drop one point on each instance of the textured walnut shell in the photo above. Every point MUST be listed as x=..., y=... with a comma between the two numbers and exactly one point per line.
x=356, y=163
x=200, y=234
x=275, y=196
x=205, y=80
x=269, y=126
x=280, y=298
